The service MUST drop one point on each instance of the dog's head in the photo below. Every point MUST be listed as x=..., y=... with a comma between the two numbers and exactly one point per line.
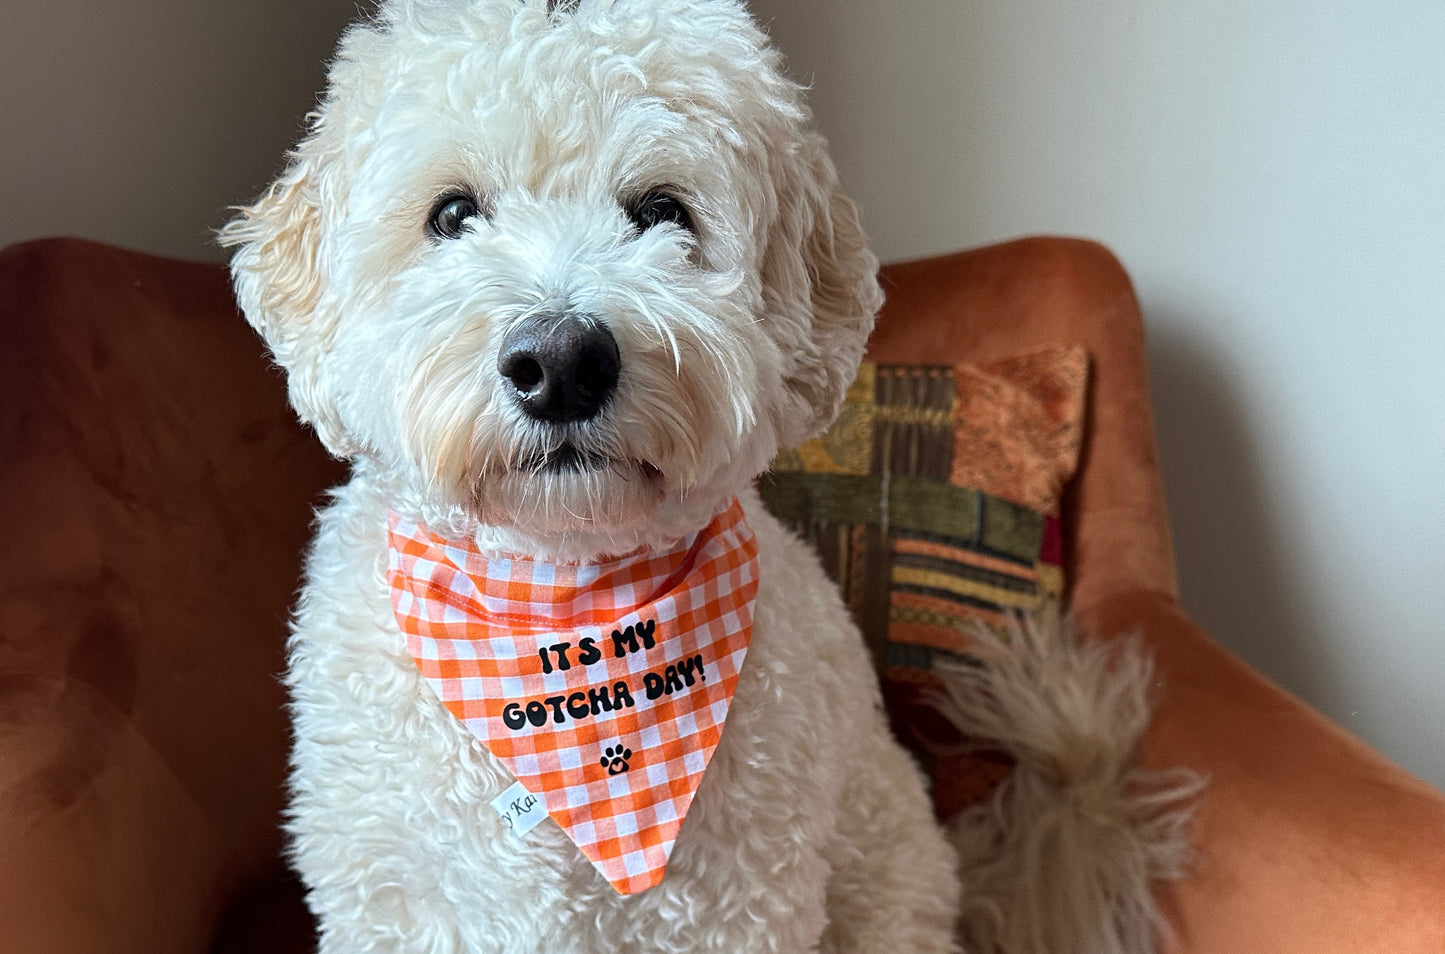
x=568, y=268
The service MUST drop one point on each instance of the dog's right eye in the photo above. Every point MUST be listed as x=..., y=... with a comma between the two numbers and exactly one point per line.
x=449, y=216
x=656, y=207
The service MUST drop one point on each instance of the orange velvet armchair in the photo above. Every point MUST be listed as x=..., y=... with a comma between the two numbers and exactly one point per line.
x=160, y=492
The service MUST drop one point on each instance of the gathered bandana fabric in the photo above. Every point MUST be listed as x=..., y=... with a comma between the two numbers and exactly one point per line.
x=603, y=688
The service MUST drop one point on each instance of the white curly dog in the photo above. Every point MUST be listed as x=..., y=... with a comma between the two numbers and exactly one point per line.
x=559, y=279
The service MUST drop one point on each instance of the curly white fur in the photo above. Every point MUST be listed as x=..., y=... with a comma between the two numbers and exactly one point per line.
x=811, y=830
x=1064, y=858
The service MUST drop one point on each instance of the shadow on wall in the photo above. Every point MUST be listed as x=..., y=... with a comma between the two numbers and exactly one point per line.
x=1235, y=574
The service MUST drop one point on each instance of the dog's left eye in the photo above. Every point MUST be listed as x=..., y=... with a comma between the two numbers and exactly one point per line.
x=449, y=216
x=656, y=207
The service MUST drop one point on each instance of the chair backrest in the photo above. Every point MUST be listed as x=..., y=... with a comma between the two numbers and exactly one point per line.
x=1004, y=300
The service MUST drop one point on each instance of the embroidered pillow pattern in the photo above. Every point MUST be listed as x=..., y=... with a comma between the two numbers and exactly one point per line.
x=933, y=501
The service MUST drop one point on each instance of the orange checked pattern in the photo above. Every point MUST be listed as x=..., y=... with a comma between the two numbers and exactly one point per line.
x=602, y=687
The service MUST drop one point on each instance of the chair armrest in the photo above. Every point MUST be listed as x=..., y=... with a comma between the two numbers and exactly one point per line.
x=1309, y=842
x=102, y=848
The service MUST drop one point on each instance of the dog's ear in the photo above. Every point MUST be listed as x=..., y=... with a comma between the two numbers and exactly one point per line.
x=822, y=284
x=280, y=277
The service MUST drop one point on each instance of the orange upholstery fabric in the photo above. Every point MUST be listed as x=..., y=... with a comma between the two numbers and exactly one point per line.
x=160, y=494
x=1309, y=841
x=157, y=496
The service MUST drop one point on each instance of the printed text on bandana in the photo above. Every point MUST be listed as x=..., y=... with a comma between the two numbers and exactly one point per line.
x=602, y=688
x=582, y=704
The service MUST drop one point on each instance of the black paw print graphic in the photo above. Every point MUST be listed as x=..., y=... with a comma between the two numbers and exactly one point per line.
x=614, y=759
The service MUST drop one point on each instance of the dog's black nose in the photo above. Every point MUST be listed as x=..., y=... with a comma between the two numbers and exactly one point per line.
x=564, y=368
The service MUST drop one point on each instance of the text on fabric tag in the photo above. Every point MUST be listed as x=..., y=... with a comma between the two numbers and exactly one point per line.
x=521, y=811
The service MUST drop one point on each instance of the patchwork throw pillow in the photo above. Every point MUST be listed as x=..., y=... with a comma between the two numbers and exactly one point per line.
x=933, y=501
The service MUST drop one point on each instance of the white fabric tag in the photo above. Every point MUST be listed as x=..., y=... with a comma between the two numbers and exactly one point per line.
x=521, y=811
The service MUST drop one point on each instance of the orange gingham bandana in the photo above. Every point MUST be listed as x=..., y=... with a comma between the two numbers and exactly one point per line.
x=601, y=687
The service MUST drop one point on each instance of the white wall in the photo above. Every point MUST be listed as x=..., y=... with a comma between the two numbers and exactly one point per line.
x=1273, y=176
x=139, y=121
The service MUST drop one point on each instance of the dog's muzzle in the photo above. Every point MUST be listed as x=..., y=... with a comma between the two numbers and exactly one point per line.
x=563, y=368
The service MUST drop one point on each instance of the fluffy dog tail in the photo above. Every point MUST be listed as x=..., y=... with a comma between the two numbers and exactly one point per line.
x=1061, y=859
